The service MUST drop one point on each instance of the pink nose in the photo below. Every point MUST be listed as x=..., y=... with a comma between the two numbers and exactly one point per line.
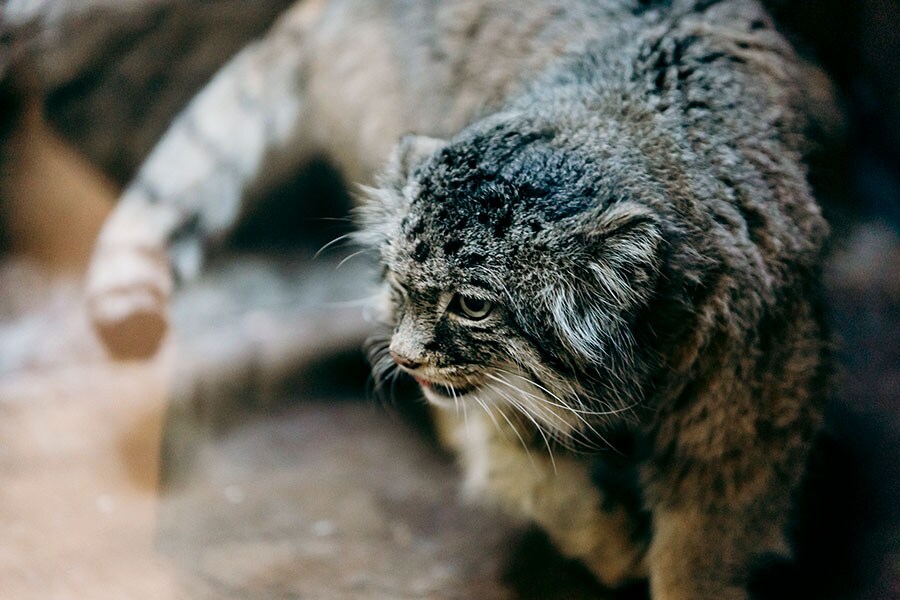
x=406, y=363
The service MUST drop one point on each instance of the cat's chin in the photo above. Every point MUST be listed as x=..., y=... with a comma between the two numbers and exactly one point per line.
x=443, y=395
x=441, y=401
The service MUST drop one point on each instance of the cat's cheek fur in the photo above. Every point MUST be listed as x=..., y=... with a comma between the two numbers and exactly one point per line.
x=592, y=299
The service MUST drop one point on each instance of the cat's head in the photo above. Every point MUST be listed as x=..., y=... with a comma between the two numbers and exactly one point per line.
x=513, y=270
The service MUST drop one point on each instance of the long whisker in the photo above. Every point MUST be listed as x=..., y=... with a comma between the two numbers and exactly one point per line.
x=383, y=367
x=465, y=416
x=544, y=414
x=489, y=413
x=352, y=256
x=336, y=240
x=560, y=433
x=583, y=410
x=537, y=427
x=518, y=435
x=560, y=402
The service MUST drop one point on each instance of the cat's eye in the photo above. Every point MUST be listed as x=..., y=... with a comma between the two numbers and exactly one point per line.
x=472, y=308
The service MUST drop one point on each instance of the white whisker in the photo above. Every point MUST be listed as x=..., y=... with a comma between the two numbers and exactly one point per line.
x=537, y=427
x=559, y=428
x=518, y=435
x=352, y=256
x=336, y=240
x=489, y=413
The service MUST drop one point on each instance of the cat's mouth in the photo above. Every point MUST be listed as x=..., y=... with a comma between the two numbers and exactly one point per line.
x=445, y=390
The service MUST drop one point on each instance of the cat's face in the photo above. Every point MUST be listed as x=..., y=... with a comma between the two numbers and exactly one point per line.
x=507, y=277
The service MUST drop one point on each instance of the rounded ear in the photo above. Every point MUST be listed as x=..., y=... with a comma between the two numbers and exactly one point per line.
x=386, y=203
x=409, y=152
x=612, y=274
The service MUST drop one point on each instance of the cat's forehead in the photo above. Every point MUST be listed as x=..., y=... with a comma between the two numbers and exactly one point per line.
x=463, y=228
x=485, y=202
x=447, y=245
x=500, y=180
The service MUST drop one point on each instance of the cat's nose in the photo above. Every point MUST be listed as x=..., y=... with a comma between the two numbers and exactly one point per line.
x=403, y=361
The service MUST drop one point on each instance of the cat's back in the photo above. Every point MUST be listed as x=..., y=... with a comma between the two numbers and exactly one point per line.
x=382, y=69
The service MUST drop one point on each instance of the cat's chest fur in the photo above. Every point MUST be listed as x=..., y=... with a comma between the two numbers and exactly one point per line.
x=589, y=503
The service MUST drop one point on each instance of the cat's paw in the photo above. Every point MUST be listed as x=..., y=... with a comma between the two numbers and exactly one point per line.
x=128, y=296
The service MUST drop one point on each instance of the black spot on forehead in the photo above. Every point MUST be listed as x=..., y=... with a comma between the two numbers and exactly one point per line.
x=492, y=196
x=503, y=223
x=516, y=173
x=528, y=190
x=451, y=247
x=473, y=259
x=421, y=252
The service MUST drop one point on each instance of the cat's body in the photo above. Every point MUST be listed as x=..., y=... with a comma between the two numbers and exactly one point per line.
x=614, y=247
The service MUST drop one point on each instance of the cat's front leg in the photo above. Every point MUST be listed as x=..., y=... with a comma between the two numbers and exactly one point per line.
x=718, y=520
x=702, y=556
x=246, y=127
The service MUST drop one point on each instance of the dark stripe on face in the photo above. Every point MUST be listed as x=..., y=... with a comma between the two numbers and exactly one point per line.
x=472, y=260
x=421, y=252
x=456, y=345
x=481, y=283
x=452, y=246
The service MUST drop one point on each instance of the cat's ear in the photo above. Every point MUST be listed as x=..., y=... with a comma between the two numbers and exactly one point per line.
x=383, y=205
x=610, y=277
x=409, y=152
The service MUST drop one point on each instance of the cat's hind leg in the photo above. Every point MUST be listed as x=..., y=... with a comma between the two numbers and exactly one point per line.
x=247, y=127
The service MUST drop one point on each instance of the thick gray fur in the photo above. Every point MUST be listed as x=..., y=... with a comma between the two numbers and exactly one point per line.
x=641, y=220
x=623, y=180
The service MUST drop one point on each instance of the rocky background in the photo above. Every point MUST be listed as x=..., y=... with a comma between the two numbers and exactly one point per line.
x=251, y=458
